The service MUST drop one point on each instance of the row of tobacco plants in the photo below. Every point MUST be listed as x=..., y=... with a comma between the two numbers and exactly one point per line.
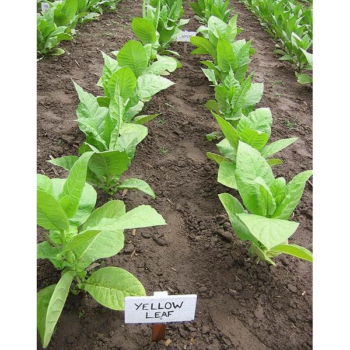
x=57, y=20
x=244, y=158
x=290, y=23
x=76, y=233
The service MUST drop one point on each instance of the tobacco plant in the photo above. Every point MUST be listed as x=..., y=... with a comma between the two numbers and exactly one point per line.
x=160, y=25
x=112, y=141
x=143, y=75
x=254, y=130
x=49, y=35
x=218, y=41
x=233, y=99
x=77, y=235
x=304, y=78
x=204, y=9
x=269, y=203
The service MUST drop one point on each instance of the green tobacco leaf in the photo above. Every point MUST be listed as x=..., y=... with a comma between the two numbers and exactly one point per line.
x=254, y=138
x=277, y=146
x=250, y=165
x=43, y=299
x=226, y=174
x=90, y=115
x=227, y=150
x=259, y=120
x=134, y=56
x=110, y=285
x=144, y=30
x=233, y=207
x=125, y=79
x=141, y=216
x=266, y=199
x=86, y=204
x=50, y=214
x=54, y=307
x=149, y=84
x=294, y=250
x=294, y=192
x=65, y=12
x=163, y=65
x=75, y=183
x=142, y=119
x=46, y=251
x=105, y=244
x=226, y=57
x=109, y=67
x=131, y=135
x=204, y=47
x=112, y=210
x=216, y=157
x=269, y=231
x=229, y=131
x=304, y=78
x=44, y=184
x=213, y=106
x=80, y=240
x=278, y=189
x=65, y=162
x=137, y=184
x=274, y=161
x=254, y=95
x=109, y=164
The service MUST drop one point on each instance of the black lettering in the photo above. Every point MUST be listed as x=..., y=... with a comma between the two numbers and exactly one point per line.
x=160, y=308
x=147, y=315
x=144, y=306
x=137, y=306
x=166, y=305
x=175, y=306
x=164, y=314
x=152, y=307
x=169, y=313
x=157, y=315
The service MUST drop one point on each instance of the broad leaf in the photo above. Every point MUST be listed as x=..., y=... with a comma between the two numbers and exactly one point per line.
x=75, y=183
x=294, y=250
x=144, y=30
x=233, y=207
x=268, y=231
x=52, y=311
x=226, y=175
x=50, y=214
x=294, y=192
x=110, y=285
x=133, y=55
x=137, y=184
x=149, y=84
x=277, y=146
x=112, y=210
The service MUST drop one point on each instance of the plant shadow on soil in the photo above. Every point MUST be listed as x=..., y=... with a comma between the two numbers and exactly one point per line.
x=241, y=304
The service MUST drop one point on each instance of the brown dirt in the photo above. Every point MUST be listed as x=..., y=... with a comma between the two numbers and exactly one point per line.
x=241, y=305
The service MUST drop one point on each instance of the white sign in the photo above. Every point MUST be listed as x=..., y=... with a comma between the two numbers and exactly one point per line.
x=160, y=308
x=185, y=36
x=44, y=7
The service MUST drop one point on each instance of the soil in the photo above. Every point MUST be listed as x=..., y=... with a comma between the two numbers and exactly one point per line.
x=241, y=304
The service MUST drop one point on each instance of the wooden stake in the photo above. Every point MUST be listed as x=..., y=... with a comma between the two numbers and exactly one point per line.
x=158, y=332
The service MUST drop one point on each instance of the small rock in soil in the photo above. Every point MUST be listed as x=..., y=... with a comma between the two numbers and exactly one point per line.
x=225, y=235
x=292, y=288
x=160, y=241
x=129, y=248
x=145, y=235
